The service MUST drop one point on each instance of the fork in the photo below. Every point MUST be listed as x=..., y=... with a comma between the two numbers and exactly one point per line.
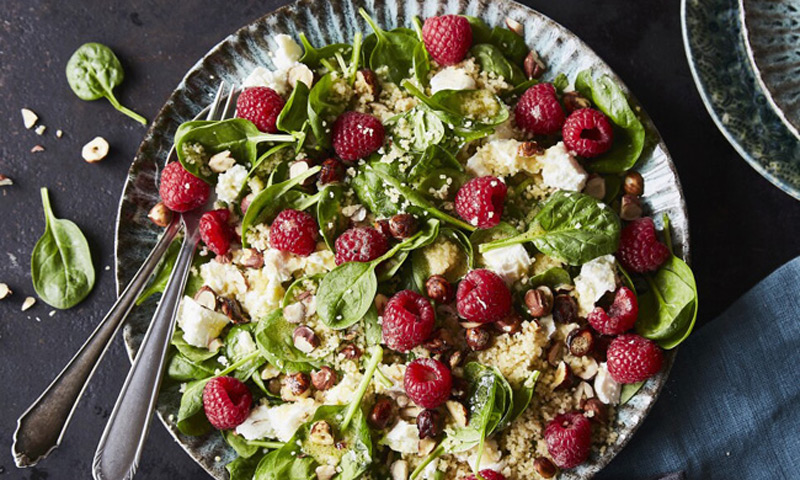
x=120, y=447
x=41, y=428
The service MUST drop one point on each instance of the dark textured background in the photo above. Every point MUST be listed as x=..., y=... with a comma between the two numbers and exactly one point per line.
x=742, y=226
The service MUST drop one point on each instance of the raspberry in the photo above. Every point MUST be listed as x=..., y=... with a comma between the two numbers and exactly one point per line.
x=588, y=133
x=488, y=475
x=639, y=248
x=569, y=439
x=356, y=135
x=215, y=231
x=480, y=201
x=428, y=382
x=620, y=317
x=408, y=320
x=361, y=244
x=483, y=297
x=447, y=38
x=294, y=231
x=260, y=105
x=538, y=110
x=226, y=401
x=632, y=358
x=180, y=190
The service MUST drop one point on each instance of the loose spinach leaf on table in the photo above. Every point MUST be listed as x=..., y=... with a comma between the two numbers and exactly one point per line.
x=93, y=72
x=492, y=60
x=629, y=134
x=273, y=336
x=393, y=49
x=571, y=227
x=61, y=263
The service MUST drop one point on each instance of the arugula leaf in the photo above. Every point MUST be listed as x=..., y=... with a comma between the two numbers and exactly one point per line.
x=274, y=339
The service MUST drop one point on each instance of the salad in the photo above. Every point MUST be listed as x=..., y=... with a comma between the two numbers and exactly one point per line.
x=424, y=261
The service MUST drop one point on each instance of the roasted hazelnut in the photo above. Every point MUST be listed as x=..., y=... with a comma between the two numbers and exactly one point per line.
x=630, y=207
x=300, y=167
x=274, y=386
x=439, y=342
x=565, y=309
x=207, y=298
x=514, y=26
x=460, y=389
x=341, y=445
x=231, y=308
x=563, y=379
x=544, y=467
x=383, y=413
x=594, y=410
x=511, y=325
x=588, y=369
x=383, y=227
x=305, y=339
x=324, y=378
x=223, y=259
x=321, y=433
x=160, y=215
x=534, y=66
x=539, y=301
x=367, y=83
x=453, y=359
x=580, y=341
x=601, y=343
x=633, y=183
x=555, y=353
x=251, y=258
x=595, y=186
x=296, y=386
x=332, y=171
x=402, y=225
x=478, y=338
x=439, y=289
x=429, y=423
x=458, y=411
x=529, y=149
x=574, y=101
x=351, y=352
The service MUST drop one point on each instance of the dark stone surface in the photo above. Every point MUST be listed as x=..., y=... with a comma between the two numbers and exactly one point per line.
x=742, y=226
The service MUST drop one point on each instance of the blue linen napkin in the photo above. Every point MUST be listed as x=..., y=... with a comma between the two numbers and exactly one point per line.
x=731, y=407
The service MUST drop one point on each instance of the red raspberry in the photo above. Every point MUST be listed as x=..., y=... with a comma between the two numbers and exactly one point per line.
x=639, y=248
x=361, y=244
x=215, y=231
x=483, y=297
x=569, y=439
x=447, y=38
x=294, y=231
x=408, y=321
x=620, y=317
x=538, y=110
x=356, y=135
x=226, y=401
x=588, y=133
x=632, y=358
x=180, y=190
x=260, y=105
x=428, y=382
x=488, y=475
x=480, y=201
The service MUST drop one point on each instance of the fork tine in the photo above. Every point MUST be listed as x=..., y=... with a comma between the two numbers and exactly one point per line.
x=227, y=109
x=214, y=107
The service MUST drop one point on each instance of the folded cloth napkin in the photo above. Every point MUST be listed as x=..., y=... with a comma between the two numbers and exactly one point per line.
x=731, y=407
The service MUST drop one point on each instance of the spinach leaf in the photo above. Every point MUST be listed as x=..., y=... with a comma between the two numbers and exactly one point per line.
x=299, y=286
x=512, y=45
x=571, y=227
x=522, y=397
x=294, y=115
x=434, y=160
x=61, y=263
x=393, y=49
x=561, y=82
x=426, y=129
x=553, y=278
x=274, y=339
x=323, y=108
x=270, y=201
x=628, y=391
x=420, y=268
x=457, y=108
x=182, y=369
x=519, y=89
x=492, y=60
x=498, y=232
x=192, y=353
x=93, y=72
x=668, y=310
x=164, y=269
x=240, y=444
x=372, y=328
x=239, y=343
x=329, y=214
x=629, y=135
x=312, y=57
x=242, y=468
x=372, y=193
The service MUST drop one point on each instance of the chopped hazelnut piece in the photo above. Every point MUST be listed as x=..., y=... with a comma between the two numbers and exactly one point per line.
x=95, y=150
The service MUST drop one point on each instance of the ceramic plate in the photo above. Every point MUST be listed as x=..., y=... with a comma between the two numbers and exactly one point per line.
x=333, y=21
x=772, y=38
x=715, y=47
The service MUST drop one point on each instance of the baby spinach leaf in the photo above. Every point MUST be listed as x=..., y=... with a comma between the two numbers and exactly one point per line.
x=346, y=294
x=239, y=343
x=628, y=391
x=273, y=336
x=393, y=49
x=240, y=444
x=519, y=89
x=242, y=468
x=492, y=60
x=434, y=159
x=426, y=129
x=522, y=397
x=270, y=201
x=61, y=263
x=668, y=310
x=455, y=107
x=294, y=116
x=512, y=45
x=629, y=134
x=560, y=82
x=372, y=328
x=93, y=72
x=571, y=227
x=552, y=277
x=182, y=369
x=164, y=269
x=312, y=57
x=329, y=214
x=422, y=63
x=323, y=108
x=498, y=232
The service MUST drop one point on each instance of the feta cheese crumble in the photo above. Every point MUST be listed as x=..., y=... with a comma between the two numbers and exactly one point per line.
x=597, y=277
x=561, y=170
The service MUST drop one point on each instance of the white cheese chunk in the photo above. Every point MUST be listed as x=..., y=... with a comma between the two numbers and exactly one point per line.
x=491, y=458
x=561, y=170
x=199, y=324
x=288, y=52
x=499, y=158
x=511, y=262
x=451, y=78
x=547, y=326
x=230, y=183
x=280, y=422
x=403, y=438
x=597, y=277
x=605, y=387
x=344, y=391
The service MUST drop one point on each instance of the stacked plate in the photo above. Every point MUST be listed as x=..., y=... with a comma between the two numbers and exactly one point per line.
x=745, y=59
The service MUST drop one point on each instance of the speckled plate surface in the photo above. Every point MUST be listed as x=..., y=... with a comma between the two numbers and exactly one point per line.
x=715, y=46
x=337, y=20
x=772, y=37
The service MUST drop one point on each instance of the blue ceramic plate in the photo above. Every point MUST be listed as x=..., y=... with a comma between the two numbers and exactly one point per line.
x=715, y=46
x=333, y=21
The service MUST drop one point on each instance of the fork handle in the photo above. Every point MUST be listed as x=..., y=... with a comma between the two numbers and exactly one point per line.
x=117, y=455
x=41, y=427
